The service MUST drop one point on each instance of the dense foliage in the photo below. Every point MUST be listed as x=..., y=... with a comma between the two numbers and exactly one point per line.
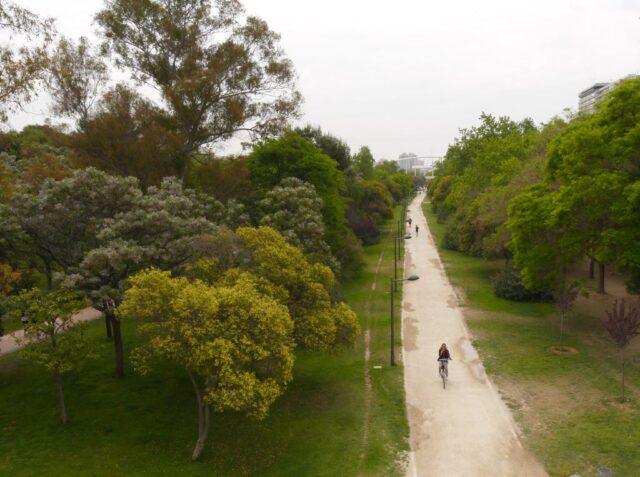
x=550, y=196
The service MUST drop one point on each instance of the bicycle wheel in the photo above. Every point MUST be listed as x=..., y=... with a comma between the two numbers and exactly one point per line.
x=444, y=378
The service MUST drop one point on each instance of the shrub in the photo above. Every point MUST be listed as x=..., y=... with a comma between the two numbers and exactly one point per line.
x=507, y=284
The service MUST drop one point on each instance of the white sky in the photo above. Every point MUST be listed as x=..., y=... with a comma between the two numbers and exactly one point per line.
x=404, y=76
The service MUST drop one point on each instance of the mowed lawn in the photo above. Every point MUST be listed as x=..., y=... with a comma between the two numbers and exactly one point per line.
x=328, y=423
x=567, y=406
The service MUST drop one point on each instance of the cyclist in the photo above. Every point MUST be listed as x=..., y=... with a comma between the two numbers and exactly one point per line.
x=417, y=230
x=443, y=359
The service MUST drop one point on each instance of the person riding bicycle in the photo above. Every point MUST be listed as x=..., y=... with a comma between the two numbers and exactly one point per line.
x=443, y=358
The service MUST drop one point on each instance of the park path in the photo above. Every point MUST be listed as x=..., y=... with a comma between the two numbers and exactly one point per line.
x=465, y=430
x=8, y=343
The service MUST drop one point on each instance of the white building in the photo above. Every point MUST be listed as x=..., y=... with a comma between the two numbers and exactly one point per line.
x=417, y=164
x=594, y=94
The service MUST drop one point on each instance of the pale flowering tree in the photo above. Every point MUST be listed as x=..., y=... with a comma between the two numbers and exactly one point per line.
x=158, y=230
x=58, y=224
x=294, y=208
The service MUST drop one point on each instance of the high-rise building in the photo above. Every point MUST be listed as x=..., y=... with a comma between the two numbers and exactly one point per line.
x=594, y=94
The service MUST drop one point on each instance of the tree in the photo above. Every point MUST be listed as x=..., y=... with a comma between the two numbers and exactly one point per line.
x=53, y=339
x=623, y=324
x=334, y=147
x=129, y=136
x=223, y=178
x=363, y=163
x=294, y=156
x=77, y=76
x=22, y=67
x=218, y=71
x=283, y=273
x=565, y=296
x=319, y=323
x=36, y=224
x=541, y=249
x=157, y=230
x=294, y=209
x=9, y=278
x=234, y=342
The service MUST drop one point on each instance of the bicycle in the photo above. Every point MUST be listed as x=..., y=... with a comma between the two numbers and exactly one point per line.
x=443, y=369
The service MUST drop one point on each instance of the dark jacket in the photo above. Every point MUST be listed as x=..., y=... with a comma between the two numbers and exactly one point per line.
x=444, y=354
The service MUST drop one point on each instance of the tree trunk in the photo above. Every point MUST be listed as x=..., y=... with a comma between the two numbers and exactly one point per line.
x=622, y=366
x=592, y=267
x=61, y=405
x=49, y=275
x=117, y=340
x=107, y=322
x=203, y=419
x=600, y=277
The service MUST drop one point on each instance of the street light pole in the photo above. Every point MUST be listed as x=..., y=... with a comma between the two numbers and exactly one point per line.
x=395, y=261
x=392, y=360
x=392, y=284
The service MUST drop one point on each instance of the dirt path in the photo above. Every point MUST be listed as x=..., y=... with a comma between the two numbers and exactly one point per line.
x=8, y=343
x=465, y=430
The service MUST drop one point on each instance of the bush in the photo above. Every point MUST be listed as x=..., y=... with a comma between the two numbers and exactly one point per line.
x=363, y=226
x=507, y=284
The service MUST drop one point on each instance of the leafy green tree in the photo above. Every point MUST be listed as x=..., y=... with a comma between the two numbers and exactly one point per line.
x=234, y=342
x=363, y=163
x=596, y=168
x=372, y=198
x=294, y=156
x=542, y=250
x=330, y=145
x=294, y=209
x=400, y=185
x=218, y=71
x=53, y=339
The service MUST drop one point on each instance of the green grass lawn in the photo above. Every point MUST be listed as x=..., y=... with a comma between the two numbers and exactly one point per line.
x=146, y=425
x=568, y=406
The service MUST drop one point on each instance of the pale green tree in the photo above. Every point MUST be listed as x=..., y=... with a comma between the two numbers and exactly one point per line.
x=52, y=338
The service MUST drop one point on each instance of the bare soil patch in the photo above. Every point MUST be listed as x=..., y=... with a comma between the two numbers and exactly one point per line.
x=562, y=350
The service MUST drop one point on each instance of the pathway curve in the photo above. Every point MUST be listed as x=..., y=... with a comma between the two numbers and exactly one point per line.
x=465, y=430
x=8, y=342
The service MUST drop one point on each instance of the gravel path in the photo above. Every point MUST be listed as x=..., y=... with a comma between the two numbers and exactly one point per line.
x=8, y=342
x=465, y=430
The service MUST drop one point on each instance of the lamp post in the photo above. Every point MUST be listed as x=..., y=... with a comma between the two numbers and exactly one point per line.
x=392, y=285
x=396, y=255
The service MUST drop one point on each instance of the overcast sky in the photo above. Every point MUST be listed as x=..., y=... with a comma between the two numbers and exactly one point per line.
x=405, y=75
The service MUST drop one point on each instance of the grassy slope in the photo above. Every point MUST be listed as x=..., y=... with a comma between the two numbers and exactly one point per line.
x=146, y=425
x=567, y=405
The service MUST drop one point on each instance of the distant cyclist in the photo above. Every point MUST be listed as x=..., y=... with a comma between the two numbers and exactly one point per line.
x=417, y=230
x=443, y=358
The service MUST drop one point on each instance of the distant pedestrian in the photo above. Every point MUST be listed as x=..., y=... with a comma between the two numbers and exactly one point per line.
x=417, y=230
x=409, y=221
